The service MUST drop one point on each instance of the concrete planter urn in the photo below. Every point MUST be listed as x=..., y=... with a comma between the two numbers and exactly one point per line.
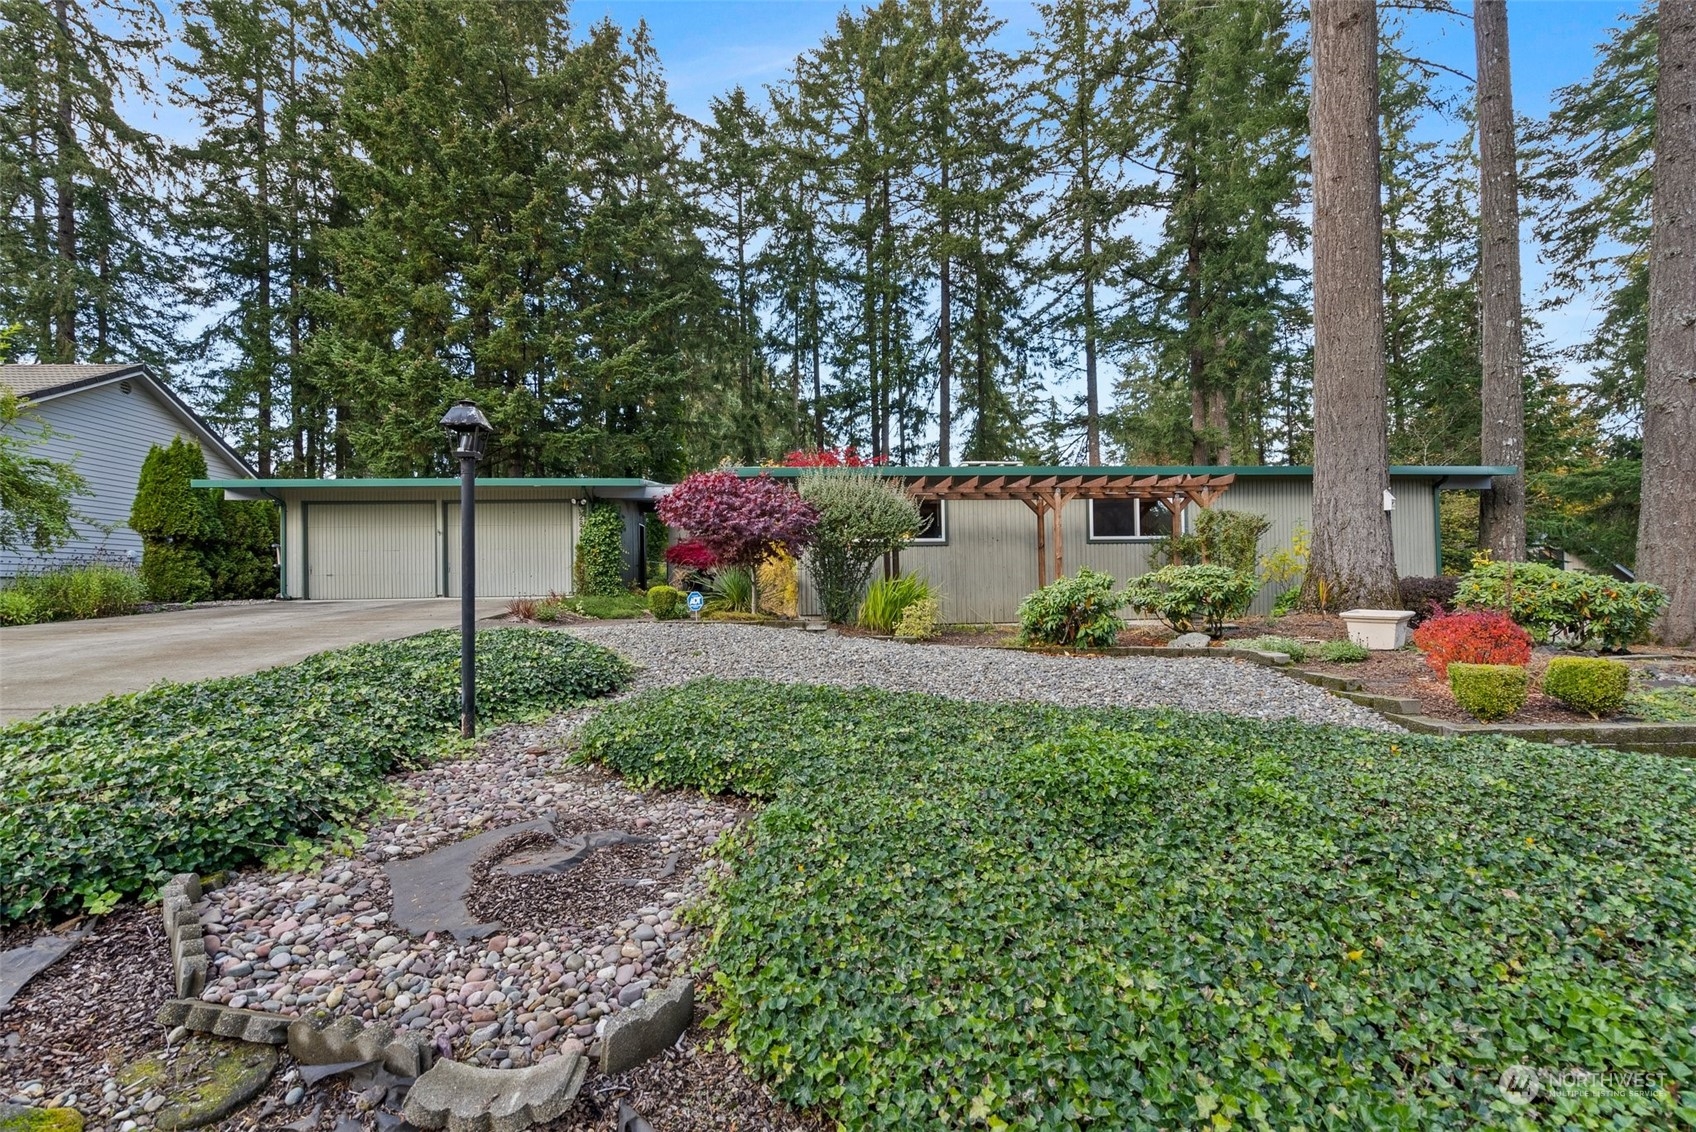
x=1380, y=630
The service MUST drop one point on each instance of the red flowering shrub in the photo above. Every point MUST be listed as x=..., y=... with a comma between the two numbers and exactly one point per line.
x=691, y=554
x=844, y=457
x=1478, y=637
x=740, y=521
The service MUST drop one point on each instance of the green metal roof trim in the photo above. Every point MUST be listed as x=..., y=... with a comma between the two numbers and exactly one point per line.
x=443, y=481
x=1163, y=470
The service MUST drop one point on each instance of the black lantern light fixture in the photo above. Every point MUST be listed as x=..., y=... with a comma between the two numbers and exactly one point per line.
x=469, y=429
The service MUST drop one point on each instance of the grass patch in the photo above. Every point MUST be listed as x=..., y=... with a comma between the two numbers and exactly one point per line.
x=106, y=800
x=605, y=607
x=1023, y=916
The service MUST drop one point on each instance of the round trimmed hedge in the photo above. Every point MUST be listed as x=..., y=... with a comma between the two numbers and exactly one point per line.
x=968, y=915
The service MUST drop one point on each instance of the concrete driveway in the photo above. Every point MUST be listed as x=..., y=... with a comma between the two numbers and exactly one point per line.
x=69, y=662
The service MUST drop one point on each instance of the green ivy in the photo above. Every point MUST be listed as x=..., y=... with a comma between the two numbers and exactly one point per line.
x=600, y=551
x=956, y=915
x=105, y=800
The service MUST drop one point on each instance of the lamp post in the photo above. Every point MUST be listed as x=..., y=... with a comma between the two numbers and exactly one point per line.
x=469, y=429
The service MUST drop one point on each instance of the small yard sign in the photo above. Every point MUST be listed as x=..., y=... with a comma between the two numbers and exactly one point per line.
x=697, y=601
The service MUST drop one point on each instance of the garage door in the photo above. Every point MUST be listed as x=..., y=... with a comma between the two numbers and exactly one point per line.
x=371, y=550
x=523, y=549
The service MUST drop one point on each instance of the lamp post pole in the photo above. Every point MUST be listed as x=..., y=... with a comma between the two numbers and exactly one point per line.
x=467, y=596
x=470, y=429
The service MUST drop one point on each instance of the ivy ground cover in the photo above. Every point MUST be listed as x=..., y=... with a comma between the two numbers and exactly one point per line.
x=105, y=800
x=955, y=915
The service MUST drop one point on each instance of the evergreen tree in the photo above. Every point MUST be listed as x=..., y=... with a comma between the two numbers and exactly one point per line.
x=1221, y=112
x=1083, y=143
x=80, y=262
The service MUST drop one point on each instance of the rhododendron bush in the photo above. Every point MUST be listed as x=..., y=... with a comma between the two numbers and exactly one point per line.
x=739, y=521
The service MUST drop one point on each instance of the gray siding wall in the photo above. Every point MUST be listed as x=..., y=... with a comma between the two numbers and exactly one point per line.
x=988, y=563
x=105, y=434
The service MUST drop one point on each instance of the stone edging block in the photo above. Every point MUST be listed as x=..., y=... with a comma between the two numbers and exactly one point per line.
x=469, y=1098
x=639, y=1032
x=321, y=1040
x=182, y=928
x=254, y=1026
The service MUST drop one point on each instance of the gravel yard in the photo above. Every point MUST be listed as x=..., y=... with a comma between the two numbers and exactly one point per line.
x=673, y=653
x=567, y=957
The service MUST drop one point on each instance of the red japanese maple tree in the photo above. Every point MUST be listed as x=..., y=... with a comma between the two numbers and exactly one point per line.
x=740, y=521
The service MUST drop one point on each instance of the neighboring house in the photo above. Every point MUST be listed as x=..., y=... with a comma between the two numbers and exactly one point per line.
x=995, y=533
x=399, y=538
x=104, y=420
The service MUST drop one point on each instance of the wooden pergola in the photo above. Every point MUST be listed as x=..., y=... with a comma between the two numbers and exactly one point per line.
x=1047, y=494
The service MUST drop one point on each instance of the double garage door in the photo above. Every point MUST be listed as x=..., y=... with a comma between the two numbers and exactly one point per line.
x=396, y=550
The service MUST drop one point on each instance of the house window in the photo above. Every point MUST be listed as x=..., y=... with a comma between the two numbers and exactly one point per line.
x=933, y=522
x=1119, y=520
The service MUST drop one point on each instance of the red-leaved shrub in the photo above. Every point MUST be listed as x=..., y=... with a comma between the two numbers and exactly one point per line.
x=847, y=457
x=691, y=554
x=1477, y=637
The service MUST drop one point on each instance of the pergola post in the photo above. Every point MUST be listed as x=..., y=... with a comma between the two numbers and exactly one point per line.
x=1060, y=502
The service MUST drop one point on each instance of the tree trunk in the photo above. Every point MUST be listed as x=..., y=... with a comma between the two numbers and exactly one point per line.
x=945, y=344
x=1666, y=533
x=1353, y=561
x=65, y=275
x=1502, y=438
x=265, y=356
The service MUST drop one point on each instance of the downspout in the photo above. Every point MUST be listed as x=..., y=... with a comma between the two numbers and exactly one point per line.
x=1437, y=521
x=282, y=544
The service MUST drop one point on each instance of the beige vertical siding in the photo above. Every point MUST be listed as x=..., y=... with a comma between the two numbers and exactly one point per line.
x=988, y=563
x=524, y=549
x=371, y=550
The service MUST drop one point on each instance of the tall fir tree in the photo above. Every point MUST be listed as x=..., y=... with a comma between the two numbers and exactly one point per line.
x=81, y=266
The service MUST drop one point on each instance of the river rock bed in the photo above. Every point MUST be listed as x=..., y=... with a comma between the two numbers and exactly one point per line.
x=325, y=939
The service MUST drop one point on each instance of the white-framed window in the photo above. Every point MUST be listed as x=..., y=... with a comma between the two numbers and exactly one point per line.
x=1127, y=520
x=933, y=523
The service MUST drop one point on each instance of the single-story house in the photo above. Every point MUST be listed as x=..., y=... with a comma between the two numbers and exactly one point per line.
x=994, y=533
x=399, y=538
x=104, y=418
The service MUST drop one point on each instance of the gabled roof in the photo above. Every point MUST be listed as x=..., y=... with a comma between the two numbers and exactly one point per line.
x=41, y=383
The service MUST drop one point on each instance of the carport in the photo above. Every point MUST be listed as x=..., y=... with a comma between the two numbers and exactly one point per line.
x=399, y=538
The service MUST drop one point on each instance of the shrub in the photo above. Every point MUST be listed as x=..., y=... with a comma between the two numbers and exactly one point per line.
x=523, y=608
x=731, y=589
x=1072, y=611
x=1588, y=684
x=1420, y=594
x=107, y=799
x=690, y=557
x=1343, y=652
x=779, y=583
x=1472, y=638
x=1221, y=538
x=1126, y=919
x=1293, y=649
x=888, y=598
x=657, y=536
x=173, y=571
x=862, y=517
x=742, y=521
x=243, y=561
x=17, y=608
x=599, y=569
x=1563, y=606
x=1489, y=691
x=178, y=523
x=1188, y=597
x=666, y=603
x=78, y=592
x=920, y=621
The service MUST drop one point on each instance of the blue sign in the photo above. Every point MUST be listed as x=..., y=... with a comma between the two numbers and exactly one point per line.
x=697, y=601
